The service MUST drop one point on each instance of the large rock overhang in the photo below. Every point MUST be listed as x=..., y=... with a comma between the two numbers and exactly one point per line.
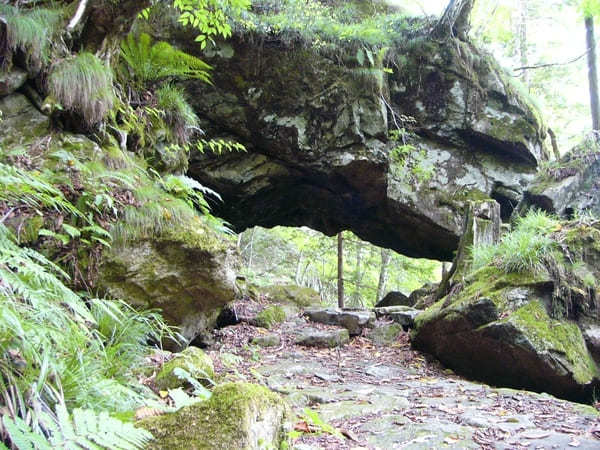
x=319, y=151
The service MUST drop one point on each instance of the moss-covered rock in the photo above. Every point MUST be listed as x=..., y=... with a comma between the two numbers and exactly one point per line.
x=385, y=334
x=476, y=136
x=194, y=361
x=270, y=316
x=238, y=416
x=299, y=296
x=568, y=186
x=517, y=329
x=187, y=271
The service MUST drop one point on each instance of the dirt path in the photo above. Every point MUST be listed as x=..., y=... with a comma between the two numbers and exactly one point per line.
x=393, y=397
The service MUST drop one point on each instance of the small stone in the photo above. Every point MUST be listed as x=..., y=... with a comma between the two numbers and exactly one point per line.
x=194, y=361
x=353, y=321
x=386, y=334
x=405, y=318
x=268, y=340
x=324, y=339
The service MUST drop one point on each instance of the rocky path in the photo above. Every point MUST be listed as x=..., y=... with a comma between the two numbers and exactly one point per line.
x=391, y=397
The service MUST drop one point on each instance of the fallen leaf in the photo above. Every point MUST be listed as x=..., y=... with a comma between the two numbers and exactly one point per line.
x=163, y=394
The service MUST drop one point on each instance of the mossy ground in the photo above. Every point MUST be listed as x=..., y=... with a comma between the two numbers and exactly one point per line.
x=270, y=316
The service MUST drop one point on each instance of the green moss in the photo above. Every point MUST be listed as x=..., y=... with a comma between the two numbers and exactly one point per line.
x=563, y=337
x=230, y=419
x=291, y=293
x=270, y=316
x=193, y=360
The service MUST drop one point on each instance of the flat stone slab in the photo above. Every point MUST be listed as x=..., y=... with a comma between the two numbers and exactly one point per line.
x=402, y=315
x=324, y=339
x=353, y=321
x=267, y=340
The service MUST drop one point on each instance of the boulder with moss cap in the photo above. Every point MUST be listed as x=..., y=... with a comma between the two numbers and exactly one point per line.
x=523, y=329
x=239, y=416
x=194, y=361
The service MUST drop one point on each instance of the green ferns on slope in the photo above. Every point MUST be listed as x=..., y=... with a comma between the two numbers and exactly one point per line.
x=150, y=62
x=60, y=350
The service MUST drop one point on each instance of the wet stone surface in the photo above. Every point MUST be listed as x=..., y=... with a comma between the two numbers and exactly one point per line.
x=391, y=397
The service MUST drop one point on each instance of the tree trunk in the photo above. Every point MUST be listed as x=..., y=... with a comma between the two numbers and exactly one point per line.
x=386, y=256
x=523, y=42
x=340, y=269
x=251, y=255
x=592, y=74
x=455, y=22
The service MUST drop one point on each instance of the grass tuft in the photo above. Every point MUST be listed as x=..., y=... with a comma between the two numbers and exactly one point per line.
x=524, y=249
x=31, y=32
x=83, y=84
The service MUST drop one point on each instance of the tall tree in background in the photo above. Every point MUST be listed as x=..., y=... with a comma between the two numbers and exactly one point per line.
x=591, y=8
x=386, y=255
x=340, y=269
x=523, y=41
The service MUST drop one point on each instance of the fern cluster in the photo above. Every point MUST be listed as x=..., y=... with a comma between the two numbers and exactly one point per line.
x=60, y=351
x=83, y=84
x=149, y=62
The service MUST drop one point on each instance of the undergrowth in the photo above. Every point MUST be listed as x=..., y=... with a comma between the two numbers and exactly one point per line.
x=524, y=249
x=31, y=32
x=319, y=24
x=83, y=84
x=145, y=61
x=67, y=360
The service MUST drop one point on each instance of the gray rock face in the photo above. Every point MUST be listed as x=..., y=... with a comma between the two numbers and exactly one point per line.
x=189, y=279
x=353, y=321
x=572, y=186
x=394, y=299
x=319, y=152
x=11, y=81
x=325, y=339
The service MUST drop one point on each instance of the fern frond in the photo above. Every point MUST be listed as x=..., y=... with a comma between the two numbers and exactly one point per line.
x=151, y=62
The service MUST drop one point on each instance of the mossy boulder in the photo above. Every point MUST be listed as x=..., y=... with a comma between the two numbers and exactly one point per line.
x=385, y=334
x=187, y=271
x=270, y=316
x=11, y=80
x=292, y=294
x=499, y=328
x=194, y=361
x=238, y=416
